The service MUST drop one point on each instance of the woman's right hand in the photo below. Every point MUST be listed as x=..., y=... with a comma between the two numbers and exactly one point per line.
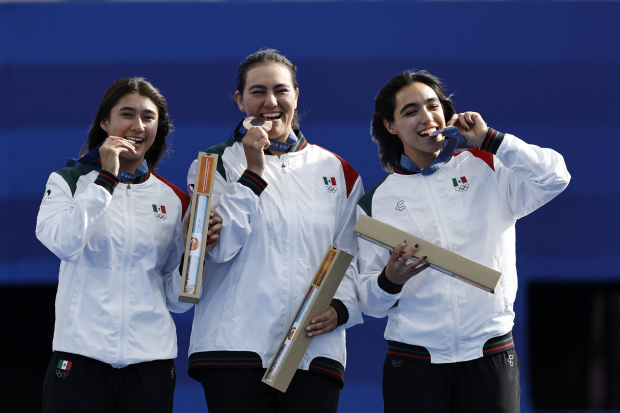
x=254, y=142
x=398, y=271
x=110, y=151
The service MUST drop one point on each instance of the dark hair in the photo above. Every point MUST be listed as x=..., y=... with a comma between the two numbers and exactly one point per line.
x=390, y=146
x=266, y=56
x=110, y=98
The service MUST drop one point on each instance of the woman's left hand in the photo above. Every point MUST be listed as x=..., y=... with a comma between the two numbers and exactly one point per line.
x=325, y=323
x=472, y=126
x=215, y=224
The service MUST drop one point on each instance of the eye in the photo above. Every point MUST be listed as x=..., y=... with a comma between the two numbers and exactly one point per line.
x=434, y=106
x=411, y=112
x=281, y=91
x=126, y=114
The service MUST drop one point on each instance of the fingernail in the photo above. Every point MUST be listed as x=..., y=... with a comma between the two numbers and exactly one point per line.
x=313, y=321
x=307, y=328
x=405, y=241
x=209, y=232
x=416, y=245
x=424, y=257
x=466, y=128
x=309, y=334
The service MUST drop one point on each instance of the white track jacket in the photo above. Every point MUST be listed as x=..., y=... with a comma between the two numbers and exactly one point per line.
x=119, y=257
x=272, y=242
x=469, y=206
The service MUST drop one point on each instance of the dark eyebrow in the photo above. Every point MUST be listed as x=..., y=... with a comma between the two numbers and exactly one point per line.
x=265, y=87
x=415, y=105
x=129, y=108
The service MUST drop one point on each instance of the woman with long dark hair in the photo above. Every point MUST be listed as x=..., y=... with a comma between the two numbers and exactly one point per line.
x=117, y=228
x=283, y=202
x=450, y=346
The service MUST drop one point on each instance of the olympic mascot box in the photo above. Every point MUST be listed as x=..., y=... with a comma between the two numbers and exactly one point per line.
x=439, y=258
x=319, y=295
x=199, y=226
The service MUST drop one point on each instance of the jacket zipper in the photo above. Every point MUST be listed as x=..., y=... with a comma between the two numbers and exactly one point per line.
x=124, y=273
x=455, y=317
x=290, y=235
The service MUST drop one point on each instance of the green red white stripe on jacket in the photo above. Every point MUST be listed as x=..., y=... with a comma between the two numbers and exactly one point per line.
x=64, y=365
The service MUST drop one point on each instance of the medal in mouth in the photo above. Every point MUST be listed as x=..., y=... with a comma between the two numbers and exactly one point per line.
x=252, y=122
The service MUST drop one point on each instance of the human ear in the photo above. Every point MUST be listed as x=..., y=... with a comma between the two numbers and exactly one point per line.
x=239, y=100
x=389, y=127
x=296, y=97
x=104, y=124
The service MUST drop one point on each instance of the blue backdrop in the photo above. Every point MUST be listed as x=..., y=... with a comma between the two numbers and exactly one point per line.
x=545, y=72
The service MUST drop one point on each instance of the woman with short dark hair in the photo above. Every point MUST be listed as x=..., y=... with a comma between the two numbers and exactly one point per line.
x=450, y=346
x=117, y=228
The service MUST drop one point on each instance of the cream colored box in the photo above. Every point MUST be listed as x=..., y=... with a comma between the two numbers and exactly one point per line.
x=199, y=226
x=320, y=293
x=440, y=259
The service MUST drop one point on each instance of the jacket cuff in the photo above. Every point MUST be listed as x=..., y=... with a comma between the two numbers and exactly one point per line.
x=107, y=181
x=492, y=141
x=341, y=311
x=253, y=181
x=388, y=286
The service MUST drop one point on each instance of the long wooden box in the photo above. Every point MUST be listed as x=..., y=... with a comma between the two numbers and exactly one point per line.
x=440, y=259
x=199, y=226
x=294, y=344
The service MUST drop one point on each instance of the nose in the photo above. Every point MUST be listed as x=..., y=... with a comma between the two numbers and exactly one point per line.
x=138, y=124
x=271, y=100
x=426, y=116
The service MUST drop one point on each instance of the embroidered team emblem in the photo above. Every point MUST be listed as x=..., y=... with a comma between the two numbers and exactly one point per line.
x=160, y=212
x=400, y=205
x=330, y=184
x=397, y=363
x=460, y=184
x=62, y=370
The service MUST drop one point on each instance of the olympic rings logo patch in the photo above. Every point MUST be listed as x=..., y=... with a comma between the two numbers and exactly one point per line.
x=332, y=189
x=160, y=216
x=462, y=188
x=62, y=373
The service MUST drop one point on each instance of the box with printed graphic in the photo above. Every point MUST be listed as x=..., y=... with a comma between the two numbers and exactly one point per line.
x=199, y=226
x=439, y=258
x=319, y=295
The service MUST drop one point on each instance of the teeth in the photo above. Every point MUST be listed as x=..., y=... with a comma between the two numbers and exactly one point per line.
x=427, y=131
x=271, y=115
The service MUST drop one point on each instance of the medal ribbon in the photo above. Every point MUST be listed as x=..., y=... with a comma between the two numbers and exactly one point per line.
x=92, y=159
x=455, y=141
x=275, y=145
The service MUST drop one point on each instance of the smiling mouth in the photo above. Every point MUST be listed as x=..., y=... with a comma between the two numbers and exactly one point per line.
x=135, y=141
x=427, y=133
x=271, y=116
